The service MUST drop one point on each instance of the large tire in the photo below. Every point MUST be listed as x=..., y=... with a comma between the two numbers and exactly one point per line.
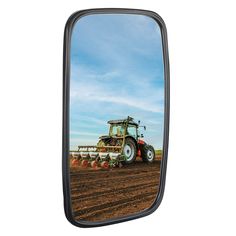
x=129, y=151
x=148, y=153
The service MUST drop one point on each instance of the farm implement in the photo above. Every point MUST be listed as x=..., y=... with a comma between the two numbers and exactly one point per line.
x=121, y=146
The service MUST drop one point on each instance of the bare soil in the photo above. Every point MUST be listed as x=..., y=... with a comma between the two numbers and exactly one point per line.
x=98, y=195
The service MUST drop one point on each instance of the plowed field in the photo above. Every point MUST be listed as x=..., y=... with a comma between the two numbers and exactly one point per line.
x=104, y=194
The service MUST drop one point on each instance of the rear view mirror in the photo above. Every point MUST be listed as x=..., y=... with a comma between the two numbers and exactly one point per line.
x=116, y=76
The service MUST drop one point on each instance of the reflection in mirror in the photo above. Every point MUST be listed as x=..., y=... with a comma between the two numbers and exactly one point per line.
x=116, y=91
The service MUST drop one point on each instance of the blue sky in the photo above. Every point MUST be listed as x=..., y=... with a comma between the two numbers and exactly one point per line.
x=116, y=71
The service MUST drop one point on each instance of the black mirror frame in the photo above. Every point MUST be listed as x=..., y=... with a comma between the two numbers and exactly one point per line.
x=66, y=86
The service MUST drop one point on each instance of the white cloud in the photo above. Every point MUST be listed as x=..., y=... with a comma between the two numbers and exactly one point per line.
x=148, y=100
x=128, y=101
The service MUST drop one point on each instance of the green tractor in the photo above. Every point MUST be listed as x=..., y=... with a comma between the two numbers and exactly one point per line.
x=121, y=146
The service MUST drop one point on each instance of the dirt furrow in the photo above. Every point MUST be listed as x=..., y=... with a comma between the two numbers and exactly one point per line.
x=110, y=198
x=107, y=205
x=82, y=197
x=116, y=211
x=110, y=180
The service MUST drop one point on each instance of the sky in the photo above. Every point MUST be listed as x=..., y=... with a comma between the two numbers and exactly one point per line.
x=116, y=70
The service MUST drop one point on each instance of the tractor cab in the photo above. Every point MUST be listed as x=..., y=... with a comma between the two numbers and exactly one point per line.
x=123, y=128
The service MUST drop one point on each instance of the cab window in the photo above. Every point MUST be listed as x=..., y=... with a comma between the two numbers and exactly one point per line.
x=117, y=130
x=132, y=131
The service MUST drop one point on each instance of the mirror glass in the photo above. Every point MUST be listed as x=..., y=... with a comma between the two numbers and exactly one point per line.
x=116, y=80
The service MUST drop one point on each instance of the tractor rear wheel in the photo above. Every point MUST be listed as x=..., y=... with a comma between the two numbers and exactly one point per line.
x=148, y=153
x=129, y=151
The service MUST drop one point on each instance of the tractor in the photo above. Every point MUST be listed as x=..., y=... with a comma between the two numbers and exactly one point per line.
x=121, y=146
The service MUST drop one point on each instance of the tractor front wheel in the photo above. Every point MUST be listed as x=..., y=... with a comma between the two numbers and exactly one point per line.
x=148, y=153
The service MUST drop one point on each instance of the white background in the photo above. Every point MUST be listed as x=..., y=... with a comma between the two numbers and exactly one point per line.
x=200, y=195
